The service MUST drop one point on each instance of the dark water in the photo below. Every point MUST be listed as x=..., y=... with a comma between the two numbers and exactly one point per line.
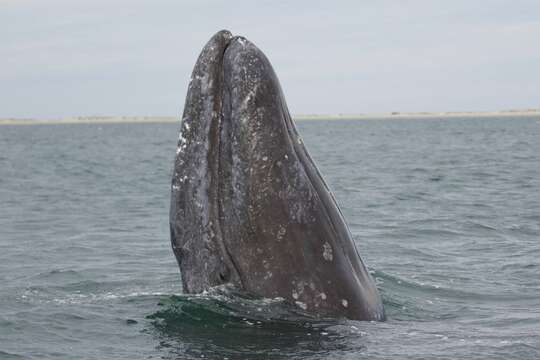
x=446, y=213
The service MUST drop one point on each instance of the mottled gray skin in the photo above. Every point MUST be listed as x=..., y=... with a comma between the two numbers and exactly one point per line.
x=249, y=209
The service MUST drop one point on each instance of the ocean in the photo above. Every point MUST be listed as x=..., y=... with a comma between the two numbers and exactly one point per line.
x=444, y=212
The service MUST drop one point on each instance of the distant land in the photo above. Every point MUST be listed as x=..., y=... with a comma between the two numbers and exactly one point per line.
x=172, y=119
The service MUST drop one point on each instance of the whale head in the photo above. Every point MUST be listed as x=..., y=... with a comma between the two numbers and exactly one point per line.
x=249, y=208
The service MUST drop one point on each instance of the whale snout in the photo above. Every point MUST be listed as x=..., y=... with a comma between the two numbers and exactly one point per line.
x=249, y=207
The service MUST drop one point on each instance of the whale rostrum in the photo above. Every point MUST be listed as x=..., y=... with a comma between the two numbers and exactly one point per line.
x=249, y=208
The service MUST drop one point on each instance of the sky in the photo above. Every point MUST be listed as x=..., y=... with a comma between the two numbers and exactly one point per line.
x=62, y=58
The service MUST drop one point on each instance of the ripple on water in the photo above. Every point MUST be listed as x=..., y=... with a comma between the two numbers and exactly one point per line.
x=445, y=212
x=232, y=326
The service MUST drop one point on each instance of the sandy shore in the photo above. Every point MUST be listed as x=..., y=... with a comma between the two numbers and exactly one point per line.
x=171, y=119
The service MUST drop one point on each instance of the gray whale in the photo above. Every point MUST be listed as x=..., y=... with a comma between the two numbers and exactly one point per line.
x=249, y=208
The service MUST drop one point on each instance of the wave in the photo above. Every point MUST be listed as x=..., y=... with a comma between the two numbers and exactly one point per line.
x=94, y=294
x=235, y=307
x=9, y=356
x=223, y=324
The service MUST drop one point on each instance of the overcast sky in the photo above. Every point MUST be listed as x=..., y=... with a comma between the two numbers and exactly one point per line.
x=62, y=58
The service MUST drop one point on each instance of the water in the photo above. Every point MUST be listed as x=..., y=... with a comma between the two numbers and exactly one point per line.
x=446, y=213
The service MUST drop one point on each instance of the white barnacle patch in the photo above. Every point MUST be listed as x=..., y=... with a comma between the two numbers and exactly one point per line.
x=328, y=254
x=299, y=140
x=181, y=145
x=176, y=187
x=294, y=294
x=281, y=232
x=181, y=137
x=344, y=302
x=211, y=232
x=323, y=296
x=265, y=158
x=301, y=305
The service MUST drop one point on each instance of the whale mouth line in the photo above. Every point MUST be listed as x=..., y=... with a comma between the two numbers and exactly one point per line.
x=222, y=116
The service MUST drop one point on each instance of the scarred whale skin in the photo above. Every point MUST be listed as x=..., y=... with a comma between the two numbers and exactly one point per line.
x=249, y=208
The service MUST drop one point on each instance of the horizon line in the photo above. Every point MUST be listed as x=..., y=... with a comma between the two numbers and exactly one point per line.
x=95, y=119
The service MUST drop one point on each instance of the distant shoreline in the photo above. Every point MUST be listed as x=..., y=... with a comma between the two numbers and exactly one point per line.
x=172, y=119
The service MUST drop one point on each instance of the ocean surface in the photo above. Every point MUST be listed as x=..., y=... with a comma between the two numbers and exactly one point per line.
x=445, y=213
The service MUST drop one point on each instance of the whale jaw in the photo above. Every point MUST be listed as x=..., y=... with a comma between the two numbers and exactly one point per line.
x=249, y=208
